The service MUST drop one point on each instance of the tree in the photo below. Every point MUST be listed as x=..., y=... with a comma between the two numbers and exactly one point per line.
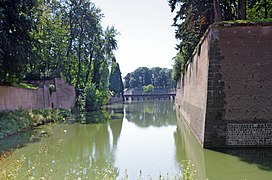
x=16, y=24
x=126, y=80
x=149, y=89
x=259, y=9
x=217, y=11
x=143, y=76
x=58, y=38
x=116, y=84
x=241, y=9
x=193, y=17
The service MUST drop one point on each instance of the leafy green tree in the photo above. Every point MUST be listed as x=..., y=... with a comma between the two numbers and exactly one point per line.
x=160, y=78
x=193, y=17
x=51, y=39
x=259, y=9
x=116, y=84
x=57, y=38
x=16, y=24
x=149, y=89
x=126, y=80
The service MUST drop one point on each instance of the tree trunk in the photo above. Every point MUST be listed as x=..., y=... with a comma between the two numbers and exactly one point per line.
x=228, y=15
x=79, y=55
x=241, y=10
x=70, y=47
x=217, y=11
x=89, y=67
x=265, y=9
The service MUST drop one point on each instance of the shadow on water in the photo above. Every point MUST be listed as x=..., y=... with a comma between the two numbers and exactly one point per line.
x=15, y=141
x=239, y=163
x=153, y=113
x=262, y=157
x=19, y=140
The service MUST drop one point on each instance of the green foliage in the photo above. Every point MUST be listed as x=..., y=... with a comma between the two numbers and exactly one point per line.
x=14, y=121
x=95, y=97
x=116, y=84
x=259, y=9
x=10, y=167
x=48, y=39
x=188, y=171
x=178, y=67
x=24, y=85
x=108, y=173
x=16, y=23
x=149, y=89
x=193, y=17
x=160, y=78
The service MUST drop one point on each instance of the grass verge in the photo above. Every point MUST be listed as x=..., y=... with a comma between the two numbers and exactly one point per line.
x=12, y=122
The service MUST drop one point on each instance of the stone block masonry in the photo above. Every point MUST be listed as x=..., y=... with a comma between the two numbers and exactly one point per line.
x=225, y=94
x=13, y=98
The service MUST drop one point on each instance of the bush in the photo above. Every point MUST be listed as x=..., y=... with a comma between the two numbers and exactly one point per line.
x=95, y=98
x=12, y=122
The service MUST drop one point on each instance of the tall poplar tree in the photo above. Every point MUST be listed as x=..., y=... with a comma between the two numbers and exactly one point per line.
x=116, y=84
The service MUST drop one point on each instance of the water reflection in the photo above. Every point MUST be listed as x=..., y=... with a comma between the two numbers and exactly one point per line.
x=102, y=116
x=222, y=164
x=153, y=113
x=77, y=150
x=147, y=139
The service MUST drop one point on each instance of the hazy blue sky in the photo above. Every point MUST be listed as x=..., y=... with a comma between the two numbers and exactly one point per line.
x=147, y=38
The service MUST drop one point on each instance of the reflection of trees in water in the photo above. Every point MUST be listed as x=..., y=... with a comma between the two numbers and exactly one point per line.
x=77, y=150
x=94, y=145
x=111, y=112
x=180, y=146
x=151, y=113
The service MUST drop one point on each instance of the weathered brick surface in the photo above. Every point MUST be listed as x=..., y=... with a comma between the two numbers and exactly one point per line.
x=12, y=98
x=246, y=72
x=65, y=94
x=236, y=106
x=191, y=96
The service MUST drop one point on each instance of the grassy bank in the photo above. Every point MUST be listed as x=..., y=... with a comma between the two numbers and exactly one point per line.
x=12, y=122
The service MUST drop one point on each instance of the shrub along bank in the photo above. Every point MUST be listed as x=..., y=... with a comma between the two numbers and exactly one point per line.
x=12, y=122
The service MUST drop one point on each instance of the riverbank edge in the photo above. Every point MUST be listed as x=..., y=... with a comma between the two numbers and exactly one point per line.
x=16, y=121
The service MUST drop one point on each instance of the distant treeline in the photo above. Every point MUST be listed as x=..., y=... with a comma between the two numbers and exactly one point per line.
x=160, y=78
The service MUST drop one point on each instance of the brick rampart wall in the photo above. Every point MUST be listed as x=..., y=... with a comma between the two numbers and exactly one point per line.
x=232, y=98
x=12, y=98
x=191, y=93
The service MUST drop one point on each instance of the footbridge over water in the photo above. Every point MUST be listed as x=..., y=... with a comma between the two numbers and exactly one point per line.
x=148, y=97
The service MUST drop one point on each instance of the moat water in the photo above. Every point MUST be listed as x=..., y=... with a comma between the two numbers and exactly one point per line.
x=142, y=139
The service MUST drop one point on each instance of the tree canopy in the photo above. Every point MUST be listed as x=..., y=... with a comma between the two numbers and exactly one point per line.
x=160, y=78
x=116, y=83
x=193, y=17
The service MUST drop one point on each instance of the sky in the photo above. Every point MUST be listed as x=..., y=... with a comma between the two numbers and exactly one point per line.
x=146, y=38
